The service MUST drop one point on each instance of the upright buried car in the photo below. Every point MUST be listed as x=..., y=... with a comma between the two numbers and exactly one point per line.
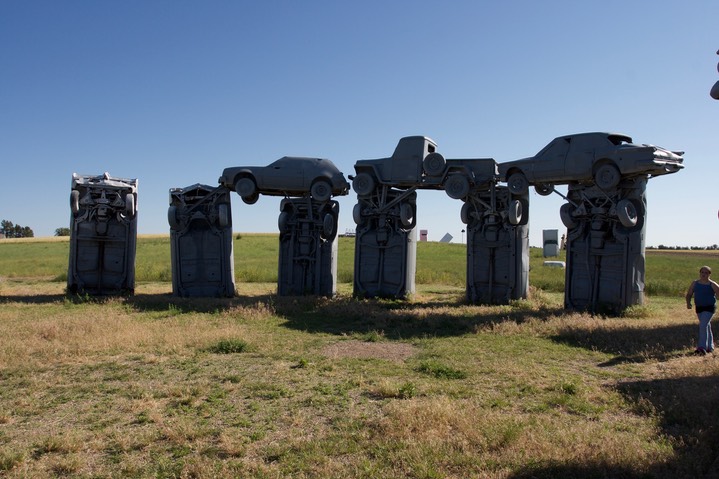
x=599, y=158
x=103, y=234
x=288, y=176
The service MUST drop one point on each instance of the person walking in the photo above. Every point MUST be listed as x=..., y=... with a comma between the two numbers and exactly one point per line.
x=704, y=291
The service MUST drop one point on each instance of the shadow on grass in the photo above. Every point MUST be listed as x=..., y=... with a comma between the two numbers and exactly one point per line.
x=161, y=302
x=33, y=299
x=449, y=315
x=398, y=319
x=687, y=414
x=576, y=471
x=633, y=344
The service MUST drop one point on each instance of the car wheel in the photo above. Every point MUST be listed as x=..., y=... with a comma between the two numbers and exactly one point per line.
x=246, y=187
x=321, y=190
x=251, y=200
x=283, y=221
x=75, y=202
x=518, y=184
x=363, y=184
x=565, y=214
x=544, y=189
x=457, y=186
x=434, y=164
x=130, y=205
x=223, y=215
x=464, y=213
x=406, y=215
x=357, y=214
x=607, y=176
x=329, y=227
x=627, y=213
x=172, y=217
x=515, y=212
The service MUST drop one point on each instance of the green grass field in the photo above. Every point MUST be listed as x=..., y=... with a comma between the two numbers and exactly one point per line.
x=667, y=272
x=269, y=387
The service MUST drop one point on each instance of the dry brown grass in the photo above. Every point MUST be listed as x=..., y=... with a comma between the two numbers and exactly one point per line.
x=348, y=388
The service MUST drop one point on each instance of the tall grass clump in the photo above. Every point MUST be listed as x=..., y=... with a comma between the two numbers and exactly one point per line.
x=228, y=346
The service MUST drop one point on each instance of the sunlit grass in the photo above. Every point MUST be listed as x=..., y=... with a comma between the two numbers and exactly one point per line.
x=156, y=386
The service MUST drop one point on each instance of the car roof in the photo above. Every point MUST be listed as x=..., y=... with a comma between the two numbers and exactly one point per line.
x=615, y=138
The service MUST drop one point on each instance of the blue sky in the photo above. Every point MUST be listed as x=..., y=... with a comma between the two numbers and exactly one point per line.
x=172, y=92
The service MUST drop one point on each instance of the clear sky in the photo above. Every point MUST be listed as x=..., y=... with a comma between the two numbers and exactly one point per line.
x=171, y=92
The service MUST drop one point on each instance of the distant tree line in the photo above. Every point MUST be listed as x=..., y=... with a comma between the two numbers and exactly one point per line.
x=15, y=231
x=685, y=248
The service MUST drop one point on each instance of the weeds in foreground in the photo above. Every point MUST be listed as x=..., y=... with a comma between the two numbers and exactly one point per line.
x=152, y=386
x=228, y=346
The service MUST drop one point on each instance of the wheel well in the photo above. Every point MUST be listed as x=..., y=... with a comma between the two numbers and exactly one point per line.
x=512, y=171
x=322, y=178
x=601, y=162
x=243, y=174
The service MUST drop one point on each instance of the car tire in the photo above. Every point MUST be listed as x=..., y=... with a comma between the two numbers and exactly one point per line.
x=223, y=216
x=434, y=164
x=565, y=214
x=321, y=190
x=283, y=222
x=544, y=189
x=627, y=213
x=357, y=214
x=75, y=202
x=172, y=217
x=363, y=184
x=245, y=187
x=607, y=176
x=251, y=200
x=515, y=213
x=329, y=227
x=406, y=215
x=518, y=184
x=457, y=186
x=464, y=213
x=129, y=205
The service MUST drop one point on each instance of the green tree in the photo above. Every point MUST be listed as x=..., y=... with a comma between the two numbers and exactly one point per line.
x=62, y=232
x=15, y=231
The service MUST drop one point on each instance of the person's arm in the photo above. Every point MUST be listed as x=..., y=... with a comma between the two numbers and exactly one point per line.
x=715, y=287
x=690, y=293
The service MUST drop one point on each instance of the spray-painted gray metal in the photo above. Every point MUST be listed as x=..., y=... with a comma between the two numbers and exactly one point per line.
x=200, y=221
x=415, y=163
x=588, y=158
x=308, y=247
x=288, y=176
x=714, y=92
x=497, y=245
x=308, y=224
x=550, y=243
x=386, y=216
x=605, y=246
x=103, y=235
x=385, y=243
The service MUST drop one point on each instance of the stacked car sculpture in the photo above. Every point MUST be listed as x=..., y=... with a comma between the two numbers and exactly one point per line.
x=604, y=213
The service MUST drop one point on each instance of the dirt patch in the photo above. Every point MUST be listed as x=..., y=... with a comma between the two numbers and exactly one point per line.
x=365, y=350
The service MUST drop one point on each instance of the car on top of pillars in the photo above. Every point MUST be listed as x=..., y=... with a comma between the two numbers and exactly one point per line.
x=595, y=158
x=288, y=176
x=416, y=163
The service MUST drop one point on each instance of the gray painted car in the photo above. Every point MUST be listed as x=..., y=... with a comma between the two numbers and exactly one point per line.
x=288, y=176
x=416, y=163
x=599, y=158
